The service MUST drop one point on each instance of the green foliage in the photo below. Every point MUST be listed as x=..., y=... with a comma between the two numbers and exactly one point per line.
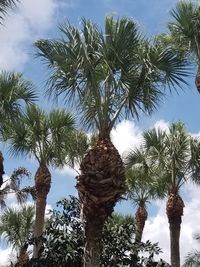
x=63, y=241
x=16, y=226
x=109, y=74
x=184, y=29
x=13, y=186
x=171, y=157
x=5, y=5
x=15, y=94
x=42, y=135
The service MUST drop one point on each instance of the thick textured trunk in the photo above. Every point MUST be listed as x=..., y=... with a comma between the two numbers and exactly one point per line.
x=197, y=79
x=140, y=217
x=100, y=186
x=42, y=184
x=174, y=209
x=1, y=169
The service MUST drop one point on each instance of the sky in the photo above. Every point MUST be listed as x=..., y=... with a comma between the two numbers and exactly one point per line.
x=35, y=19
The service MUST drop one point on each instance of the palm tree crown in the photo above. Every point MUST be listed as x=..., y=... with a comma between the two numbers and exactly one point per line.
x=44, y=136
x=184, y=33
x=109, y=73
x=16, y=226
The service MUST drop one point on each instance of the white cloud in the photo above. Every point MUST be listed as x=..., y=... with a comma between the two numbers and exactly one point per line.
x=21, y=28
x=66, y=170
x=162, y=125
x=5, y=256
x=126, y=136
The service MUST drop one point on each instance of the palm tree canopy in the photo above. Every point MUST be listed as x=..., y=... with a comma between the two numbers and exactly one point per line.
x=174, y=155
x=141, y=177
x=14, y=93
x=42, y=135
x=184, y=28
x=16, y=226
x=109, y=74
x=5, y=5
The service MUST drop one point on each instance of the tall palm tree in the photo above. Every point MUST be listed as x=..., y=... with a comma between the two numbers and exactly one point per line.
x=106, y=75
x=45, y=137
x=142, y=184
x=184, y=32
x=176, y=156
x=16, y=226
x=4, y=6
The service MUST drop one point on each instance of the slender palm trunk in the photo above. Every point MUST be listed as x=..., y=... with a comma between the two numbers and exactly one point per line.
x=42, y=183
x=140, y=217
x=175, y=229
x=1, y=169
x=174, y=209
x=93, y=235
x=197, y=79
x=100, y=186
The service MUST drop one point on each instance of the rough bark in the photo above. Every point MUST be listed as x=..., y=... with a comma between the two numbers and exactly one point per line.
x=174, y=209
x=100, y=186
x=23, y=257
x=93, y=235
x=140, y=217
x=42, y=184
x=197, y=79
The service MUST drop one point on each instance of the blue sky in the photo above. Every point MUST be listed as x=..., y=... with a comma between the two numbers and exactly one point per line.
x=40, y=19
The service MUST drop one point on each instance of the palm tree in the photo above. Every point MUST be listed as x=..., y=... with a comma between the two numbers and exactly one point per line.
x=16, y=226
x=106, y=75
x=5, y=5
x=15, y=93
x=142, y=184
x=45, y=137
x=141, y=190
x=175, y=156
x=184, y=32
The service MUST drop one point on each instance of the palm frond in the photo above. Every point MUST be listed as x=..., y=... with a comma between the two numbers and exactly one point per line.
x=112, y=74
x=5, y=5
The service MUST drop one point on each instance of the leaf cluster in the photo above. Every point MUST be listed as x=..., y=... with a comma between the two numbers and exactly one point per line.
x=63, y=243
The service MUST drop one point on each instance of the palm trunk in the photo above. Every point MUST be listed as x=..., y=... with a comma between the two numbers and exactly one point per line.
x=23, y=257
x=197, y=79
x=100, y=186
x=43, y=184
x=1, y=169
x=174, y=229
x=93, y=235
x=174, y=210
x=140, y=217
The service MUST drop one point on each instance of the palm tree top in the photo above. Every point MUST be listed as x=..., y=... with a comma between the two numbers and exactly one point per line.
x=42, y=135
x=185, y=28
x=109, y=74
x=16, y=225
x=174, y=156
x=14, y=90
